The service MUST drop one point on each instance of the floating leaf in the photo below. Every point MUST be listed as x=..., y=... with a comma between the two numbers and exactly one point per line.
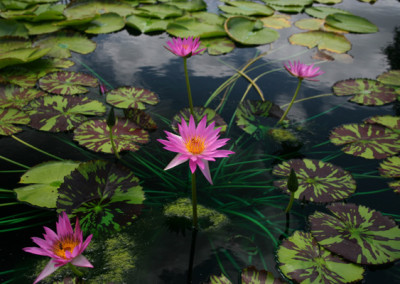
x=318, y=181
x=146, y=25
x=194, y=27
x=323, y=40
x=131, y=97
x=391, y=77
x=90, y=9
x=199, y=113
x=103, y=195
x=218, y=46
x=45, y=180
x=12, y=28
x=12, y=96
x=42, y=28
x=246, y=8
x=288, y=6
x=205, y=17
x=106, y=23
x=351, y=23
x=365, y=91
x=276, y=21
x=214, y=279
x=95, y=135
x=390, y=167
x=358, y=233
x=250, y=275
x=8, y=44
x=315, y=25
x=159, y=11
x=389, y=121
x=59, y=113
x=140, y=118
x=190, y=6
x=67, y=82
x=328, y=2
x=395, y=185
x=366, y=140
x=22, y=55
x=9, y=117
x=248, y=31
x=322, y=12
x=327, y=55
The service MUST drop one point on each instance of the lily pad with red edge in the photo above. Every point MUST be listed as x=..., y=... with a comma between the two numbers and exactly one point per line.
x=302, y=259
x=199, y=113
x=67, y=82
x=95, y=135
x=103, y=195
x=369, y=141
x=391, y=78
x=131, y=97
x=318, y=181
x=59, y=113
x=140, y=118
x=358, y=233
x=12, y=96
x=365, y=91
x=251, y=275
x=9, y=117
x=389, y=121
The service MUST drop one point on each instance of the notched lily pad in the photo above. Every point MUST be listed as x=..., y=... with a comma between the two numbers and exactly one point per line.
x=358, y=233
x=159, y=11
x=389, y=121
x=194, y=27
x=277, y=21
x=322, y=12
x=246, y=8
x=105, y=23
x=391, y=168
x=318, y=181
x=146, y=25
x=217, y=46
x=391, y=78
x=131, y=97
x=9, y=117
x=67, y=82
x=323, y=40
x=12, y=96
x=199, y=113
x=351, y=23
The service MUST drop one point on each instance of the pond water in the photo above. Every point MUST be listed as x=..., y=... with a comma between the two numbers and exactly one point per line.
x=156, y=249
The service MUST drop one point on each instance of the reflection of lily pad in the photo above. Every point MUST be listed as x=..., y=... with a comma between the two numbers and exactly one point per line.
x=194, y=27
x=59, y=113
x=358, y=233
x=350, y=23
x=9, y=117
x=251, y=275
x=323, y=40
x=146, y=25
x=95, y=135
x=44, y=180
x=67, y=82
x=131, y=97
x=366, y=140
x=105, y=23
x=318, y=181
x=104, y=196
x=365, y=91
x=391, y=77
x=217, y=46
x=16, y=97
x=302, y=259
x=199, y=113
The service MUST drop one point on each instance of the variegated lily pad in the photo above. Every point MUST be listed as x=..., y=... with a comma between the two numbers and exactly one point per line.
x=391, y=77
x=59, y=113
x=391, y=168
x=302, y=259
x=140, y=118
x=366, y=140
x=351, y=23
x=199, y=113
x=222, y=279
x=365, y=91
x=67, y=82
x=9, y=117
x=95, y=135
x=389, y=121
x=251, y=275
x=358, y=233
x=318, y=181
x=12, y=96
x=131, y=97
x=323, y=40
x=103, y=195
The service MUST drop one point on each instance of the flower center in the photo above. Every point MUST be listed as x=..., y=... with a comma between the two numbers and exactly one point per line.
x=195, y=145
x=66, y=244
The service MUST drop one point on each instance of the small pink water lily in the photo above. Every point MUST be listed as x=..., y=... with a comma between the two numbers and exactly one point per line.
x=198, y=145
x=303, y=71
x=65, y=246
x=184, y=47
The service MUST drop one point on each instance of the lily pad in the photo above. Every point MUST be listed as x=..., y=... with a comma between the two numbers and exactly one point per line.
x=277, y=21
x=365, y=91
x=302, y=259
x=366, y=140
x=222, y=279
x=391, y=77
x=146, y=25
x=199, y=113
x=59, y=113
x=67, y=82
x=315, y=25
x=159, y=11
x=90, y=9
x=328, y=2
x=248, y=31
x=12, y=28
x=12, y=96
x=8, y=44
x=389, y=121
x=322, y=12
x=193, y=27
x=318, y=181
x=358, y=233
x=9, y=117
x=44, y=180
x=322, y=40
x=22, y=55
x=42, y=28
x=217, y=46
x=395, y=185
x=288, y=6
x=95, y=135
x=103, y=195
x=140, y=118
x=105, y=23
x=251, y=275
x=131, y=97
x=189, y=6
x=351, y=23
x=390, y=167
x=246, y=8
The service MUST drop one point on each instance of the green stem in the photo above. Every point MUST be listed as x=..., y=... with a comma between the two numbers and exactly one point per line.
x=75, y=270
x=188, y=86
x=292, y=101
x=290, y=203
x=37, y=149
x=13, y=162
x=194, y=201
x=113, y=144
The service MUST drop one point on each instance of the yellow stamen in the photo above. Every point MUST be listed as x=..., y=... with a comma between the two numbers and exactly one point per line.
x=195, y=145
x=67, y=244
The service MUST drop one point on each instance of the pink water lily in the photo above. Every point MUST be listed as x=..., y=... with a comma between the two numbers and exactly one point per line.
x=197, y=144
x=184, y=47
x=65, y=246
x=303, y=71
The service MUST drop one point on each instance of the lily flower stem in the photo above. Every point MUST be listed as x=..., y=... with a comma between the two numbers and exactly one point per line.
x=290, y=203
x=35, y=148
x=188, y=86
x=292, y=101
x=75, y=270
x=194, y=201
x=113, y=143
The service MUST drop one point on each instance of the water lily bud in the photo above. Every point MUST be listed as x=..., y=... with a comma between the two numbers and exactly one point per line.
x=111, y=118
x=292, y=183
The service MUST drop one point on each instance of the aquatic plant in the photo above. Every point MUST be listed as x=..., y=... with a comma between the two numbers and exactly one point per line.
x=184, y=47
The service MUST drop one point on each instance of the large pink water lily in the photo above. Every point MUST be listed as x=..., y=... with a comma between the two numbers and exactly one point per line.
x=197, y=144
x=65, y=246
x=303, y=71
x=184, y=47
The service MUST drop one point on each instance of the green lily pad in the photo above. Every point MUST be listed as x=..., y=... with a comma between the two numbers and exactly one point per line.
x=193, y=27
x=315, y=25
x=251, y=275
x=288, y=6
x=12, y=96
x=302, y=259
x=277, y=21
x=318, y=181
x=8, y=44
x=358, y=233
x=322, y=12
x=389, y=121
x=90, y=9
x=246, y=8
x=12, y=28
x=59, y=113
x=22, y=55
x=67, y=82
x=328, y=2
x=106, y=23
x=365, y=91
x=351, y=23
x=103, y=195
x=131, y=97
x=9, y=117
x=95, y=135
x=248, y=31
x=390, y=167
x=159, y=11
x=44, y=180
x=322, y=40
x=199, y=113
x=204, y=17
x=42, y=28
x=366, y=140
x=140, y=118
x=189, y=6
x=217, y=46
x=146, y=25
x=391, y=78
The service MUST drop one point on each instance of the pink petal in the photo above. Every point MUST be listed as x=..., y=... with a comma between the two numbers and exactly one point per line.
x=36, y=250
x=81, y=261
x=49, y=269
x=206, y=172
x=175, y=162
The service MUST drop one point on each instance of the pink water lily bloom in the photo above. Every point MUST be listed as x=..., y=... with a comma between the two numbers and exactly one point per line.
x=184, y=47
x=303, y=71
x=63, y=247
x=197, y=144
